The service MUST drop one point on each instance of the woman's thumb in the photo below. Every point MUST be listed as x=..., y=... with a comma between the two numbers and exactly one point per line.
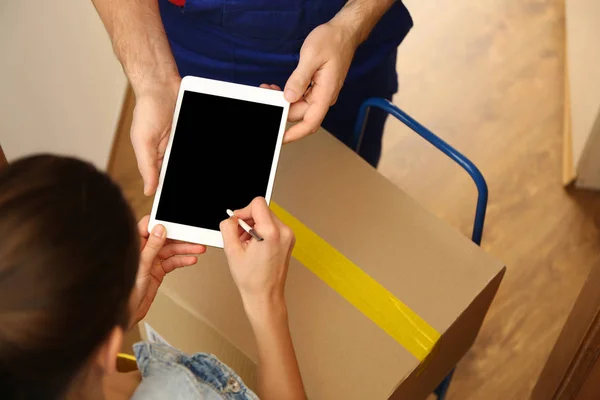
x=155, y=242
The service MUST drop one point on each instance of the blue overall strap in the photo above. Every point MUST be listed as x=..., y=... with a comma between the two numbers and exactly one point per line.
x=259, y=41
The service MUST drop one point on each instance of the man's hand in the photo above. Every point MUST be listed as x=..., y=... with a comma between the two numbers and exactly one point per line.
x=314, y=86
x=140, y=43
x=325, y=58
x=158, y=257
x=150, y=129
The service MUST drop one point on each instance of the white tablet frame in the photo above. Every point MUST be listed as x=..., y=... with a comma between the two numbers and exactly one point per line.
x=224, y=89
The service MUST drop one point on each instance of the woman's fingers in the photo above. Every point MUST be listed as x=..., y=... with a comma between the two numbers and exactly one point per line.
x=179, y=261
x=142, y=226
x=173, y=249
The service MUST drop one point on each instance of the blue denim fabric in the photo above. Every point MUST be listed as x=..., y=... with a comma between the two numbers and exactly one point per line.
x=167, y=373
x=259, y=41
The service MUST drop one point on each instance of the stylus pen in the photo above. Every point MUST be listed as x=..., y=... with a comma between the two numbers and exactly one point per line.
x=246, y=227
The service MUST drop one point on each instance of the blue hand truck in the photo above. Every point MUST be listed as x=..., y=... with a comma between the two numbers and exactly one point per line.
x=437, y=142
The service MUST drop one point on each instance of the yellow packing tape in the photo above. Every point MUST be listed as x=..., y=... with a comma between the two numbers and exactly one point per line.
x=126, y=356
x=359, y=289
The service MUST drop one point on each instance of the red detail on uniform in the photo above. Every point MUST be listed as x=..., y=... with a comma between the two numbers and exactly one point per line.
x=179, y=3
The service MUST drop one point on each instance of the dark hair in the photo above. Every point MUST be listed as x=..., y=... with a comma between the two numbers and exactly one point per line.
x=69, y=254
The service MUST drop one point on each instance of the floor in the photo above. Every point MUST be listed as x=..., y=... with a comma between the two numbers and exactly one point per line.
x=487, y=76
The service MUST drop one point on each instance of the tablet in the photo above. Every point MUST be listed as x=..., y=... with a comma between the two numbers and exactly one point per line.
x=222, y=153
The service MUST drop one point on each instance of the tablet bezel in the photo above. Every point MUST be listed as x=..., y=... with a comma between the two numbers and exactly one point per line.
x=204, y=236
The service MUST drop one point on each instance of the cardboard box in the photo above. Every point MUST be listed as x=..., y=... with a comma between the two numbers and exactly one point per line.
x=440, y=275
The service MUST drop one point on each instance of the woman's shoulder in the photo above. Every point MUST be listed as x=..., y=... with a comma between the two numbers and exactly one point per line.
x=169, y=373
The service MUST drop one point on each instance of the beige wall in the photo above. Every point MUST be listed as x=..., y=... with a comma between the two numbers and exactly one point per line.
x=61, y=88
x=583, y=59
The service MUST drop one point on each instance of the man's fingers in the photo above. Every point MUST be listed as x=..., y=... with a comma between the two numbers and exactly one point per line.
x=160, y=163
x=231, y=238
x=155, y=242
x=325, y=89
x=313, y=109
x=296, y=132
x=301, y=78
x=272, y=87
x=313, y=116
x=147, y=162
x=297, y=111
x=300, y=130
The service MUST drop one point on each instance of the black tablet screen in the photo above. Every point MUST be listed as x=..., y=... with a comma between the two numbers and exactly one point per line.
x=221, y=158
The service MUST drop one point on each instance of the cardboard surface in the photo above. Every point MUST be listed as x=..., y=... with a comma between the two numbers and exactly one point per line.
x=438, y=273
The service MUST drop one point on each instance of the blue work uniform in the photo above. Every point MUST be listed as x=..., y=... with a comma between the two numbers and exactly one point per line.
x=258, y=41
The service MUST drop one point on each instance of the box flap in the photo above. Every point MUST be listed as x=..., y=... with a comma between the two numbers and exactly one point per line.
x=424, y=262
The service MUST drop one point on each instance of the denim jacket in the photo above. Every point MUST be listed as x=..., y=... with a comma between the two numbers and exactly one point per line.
x=167, y=373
